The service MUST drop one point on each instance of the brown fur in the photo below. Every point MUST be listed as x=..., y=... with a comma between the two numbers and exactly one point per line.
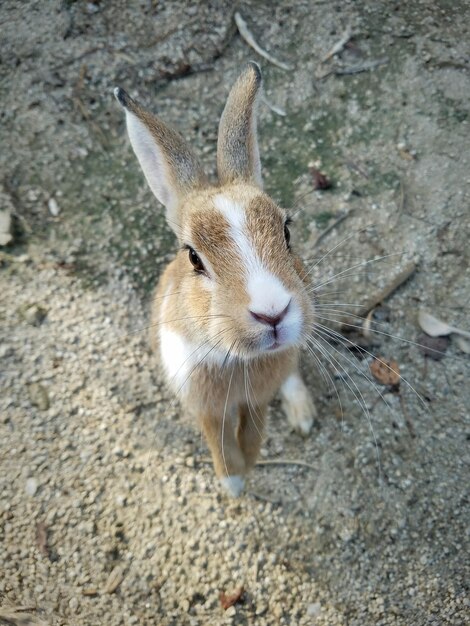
x=229, y=396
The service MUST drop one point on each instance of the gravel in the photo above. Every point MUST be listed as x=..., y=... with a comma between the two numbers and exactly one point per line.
x=109, y=511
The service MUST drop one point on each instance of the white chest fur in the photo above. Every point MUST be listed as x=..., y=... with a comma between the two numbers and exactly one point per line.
x=180, y=358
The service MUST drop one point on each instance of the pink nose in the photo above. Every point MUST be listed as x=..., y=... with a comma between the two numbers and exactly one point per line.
x=272, y=320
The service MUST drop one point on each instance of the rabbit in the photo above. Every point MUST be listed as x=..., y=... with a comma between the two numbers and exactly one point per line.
x=231, y=311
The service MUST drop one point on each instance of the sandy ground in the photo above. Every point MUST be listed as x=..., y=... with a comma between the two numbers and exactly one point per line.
x=110, y=513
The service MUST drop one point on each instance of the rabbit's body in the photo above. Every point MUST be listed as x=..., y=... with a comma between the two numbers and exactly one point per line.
x=231, y=310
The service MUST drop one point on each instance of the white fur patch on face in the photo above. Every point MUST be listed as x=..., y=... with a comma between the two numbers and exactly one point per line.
x=235, y=216
x=268, y=296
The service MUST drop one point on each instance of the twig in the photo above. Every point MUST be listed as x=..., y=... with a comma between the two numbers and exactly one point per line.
x=78, y=57
x=287, y=462
x=273, y=107
x=364, y=67
x=272, y=462
x=448, y=63
x=17, y=615
x=354, y=69
x=329, y=228
x=356, y=168
x=384, y=293
x=401, y=199
x=82, y=109
x=263, y=498
x=402, y=35
x=338, y=47
x=246, y=34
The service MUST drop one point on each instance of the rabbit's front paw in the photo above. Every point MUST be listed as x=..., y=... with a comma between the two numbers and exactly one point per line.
x=233, y=485
x=298, y=405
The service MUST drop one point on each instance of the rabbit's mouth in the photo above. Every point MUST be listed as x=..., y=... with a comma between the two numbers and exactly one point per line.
x=279, y=338
x=285, y=334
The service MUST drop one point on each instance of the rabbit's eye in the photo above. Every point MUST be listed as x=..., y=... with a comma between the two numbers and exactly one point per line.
x=195, y=261
x=287, y=233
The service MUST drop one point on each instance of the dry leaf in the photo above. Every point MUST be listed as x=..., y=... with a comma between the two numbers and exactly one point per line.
x=407, y=155
x=114, y=579
x=432, y=326
x=437, y=328
x=385, y=371
x=228, y=600
x=367, y=324
x=41, y=539
x=90, y=592
x=320, y=181
x=20, y=616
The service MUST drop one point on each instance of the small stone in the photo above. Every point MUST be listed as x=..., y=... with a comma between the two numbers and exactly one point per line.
x=38, y=396
x=261, y=608
x=6, y=351
x=54, y=208
x=121, y=500
x=314, y=609
x=31, y=486
x=33, y=314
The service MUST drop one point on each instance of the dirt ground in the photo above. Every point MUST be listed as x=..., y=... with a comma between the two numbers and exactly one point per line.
x=110, y=513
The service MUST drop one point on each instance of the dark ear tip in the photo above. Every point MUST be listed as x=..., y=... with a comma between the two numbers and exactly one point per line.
x=257, y=71
x=122, y=97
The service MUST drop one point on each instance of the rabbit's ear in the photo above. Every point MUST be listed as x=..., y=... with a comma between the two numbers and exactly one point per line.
x=237, y=146
x=169, y=165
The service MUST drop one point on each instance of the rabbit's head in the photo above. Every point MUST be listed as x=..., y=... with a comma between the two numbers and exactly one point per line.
x=245, y=289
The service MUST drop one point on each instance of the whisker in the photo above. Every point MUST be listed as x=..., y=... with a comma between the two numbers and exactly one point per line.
x=249, y=402
x=325, y=373
x=166, y=295
x=333, y=334
x=198, y=364
x=204, y=343
x=362, y=264
x=331, y=250
x=328, y=305
x=378, y=332
x=297, y=202
x=176, y=319
x=360, y=399
x=223, y=422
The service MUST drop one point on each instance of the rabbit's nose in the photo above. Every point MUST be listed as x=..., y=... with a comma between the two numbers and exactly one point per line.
x=273, y=320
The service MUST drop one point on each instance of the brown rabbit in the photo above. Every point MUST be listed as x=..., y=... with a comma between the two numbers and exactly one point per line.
x=231, y=311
